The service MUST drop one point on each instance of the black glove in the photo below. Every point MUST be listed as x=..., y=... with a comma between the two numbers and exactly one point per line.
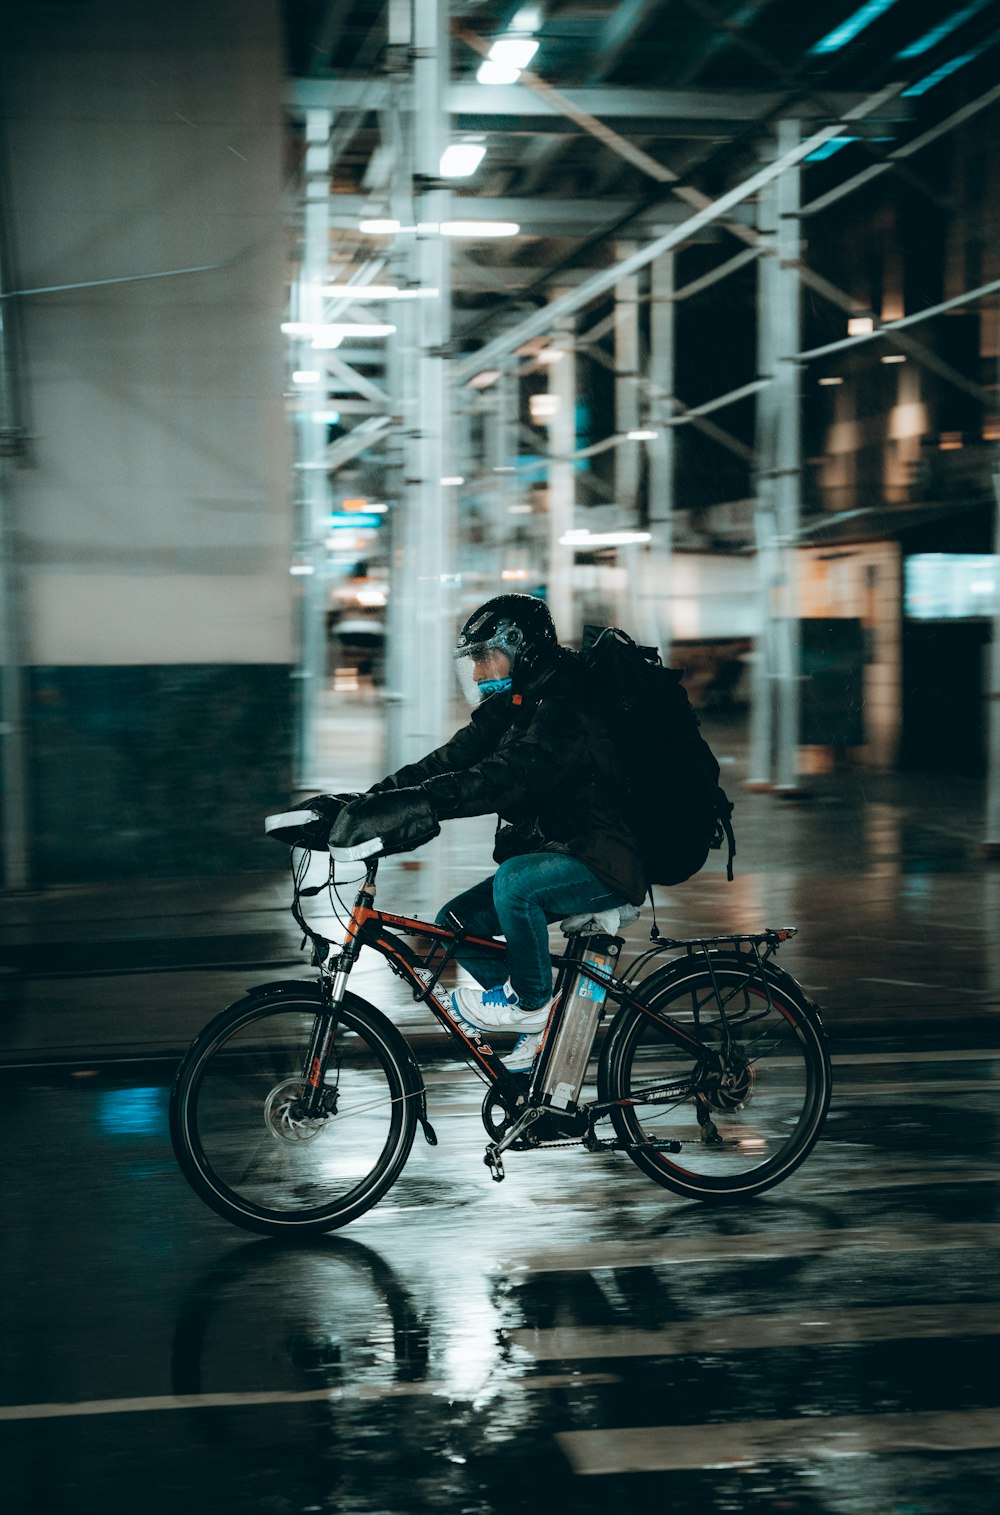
x=318, y=813
x=402, y=818
x=516, y=840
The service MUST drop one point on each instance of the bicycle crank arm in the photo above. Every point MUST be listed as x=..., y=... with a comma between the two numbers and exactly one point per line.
x=492, y=1157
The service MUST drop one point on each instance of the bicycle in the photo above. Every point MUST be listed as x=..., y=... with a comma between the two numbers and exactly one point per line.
x=296, y=1108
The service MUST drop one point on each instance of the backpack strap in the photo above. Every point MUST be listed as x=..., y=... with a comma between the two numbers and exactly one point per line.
x=724, y=828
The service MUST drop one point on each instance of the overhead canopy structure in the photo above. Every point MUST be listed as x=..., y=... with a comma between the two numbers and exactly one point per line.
x=606, y=139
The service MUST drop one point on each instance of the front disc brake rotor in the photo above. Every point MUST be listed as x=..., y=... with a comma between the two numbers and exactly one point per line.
x=285, y=1112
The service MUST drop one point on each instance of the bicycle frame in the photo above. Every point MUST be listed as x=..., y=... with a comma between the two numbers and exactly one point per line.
x=369, y=927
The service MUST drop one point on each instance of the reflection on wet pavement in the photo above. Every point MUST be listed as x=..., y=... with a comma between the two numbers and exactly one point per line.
x=573, y=1335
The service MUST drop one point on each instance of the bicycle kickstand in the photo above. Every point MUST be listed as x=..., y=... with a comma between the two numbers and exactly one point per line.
x=492, y=1156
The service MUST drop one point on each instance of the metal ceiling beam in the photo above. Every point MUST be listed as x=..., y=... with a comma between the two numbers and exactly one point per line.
x=364, y=435
x=560, y=102
x=591, y=289
x=651, y=110
x=720, y=39
x=916, y=349
x=891, y=327
x=899, y=154
x=715, y=274
x=356, y=381
x=618, y=33
x=537, y=215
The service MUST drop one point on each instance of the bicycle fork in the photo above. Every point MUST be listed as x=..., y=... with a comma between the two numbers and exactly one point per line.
x=324, y=1033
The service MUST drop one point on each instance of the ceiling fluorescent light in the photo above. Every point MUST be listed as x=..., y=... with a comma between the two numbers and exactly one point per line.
x=378, y=226
x=329, y=337
x=516, y=52
x=827, y=149
x=642, y=434
x=479, y=228
x=491, y=72
x=584, y=540
x=859, y=326
x=543, y=407
x=485, y=379
x=461, y=159
x=360, y=292
x=852, y=27
x=947, y=69
x=943, y=29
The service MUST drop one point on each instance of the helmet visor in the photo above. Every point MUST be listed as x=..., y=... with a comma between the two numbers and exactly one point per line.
x=482, y=670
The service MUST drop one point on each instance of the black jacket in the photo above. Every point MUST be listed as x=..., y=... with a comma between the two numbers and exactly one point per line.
x=542, y=759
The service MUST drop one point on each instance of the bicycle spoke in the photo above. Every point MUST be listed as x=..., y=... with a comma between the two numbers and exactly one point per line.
x=262, y=1148
x=739, y=1116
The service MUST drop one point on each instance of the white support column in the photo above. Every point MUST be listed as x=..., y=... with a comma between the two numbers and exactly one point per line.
x=991, y=840
x=499, y=455
x=774, y=725
x=562, y=481
x=788, y=461
x=422, y=584
x=13, y=734
x=626, y=390
x=655, y=624
x=313, y=502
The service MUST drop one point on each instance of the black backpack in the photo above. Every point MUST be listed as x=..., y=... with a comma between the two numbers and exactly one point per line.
x=678, y=811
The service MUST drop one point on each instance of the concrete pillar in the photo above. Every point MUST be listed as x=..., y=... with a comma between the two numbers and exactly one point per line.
x=562, y=482
x=422, y=589
x=627, y=391
x=991, y=840
x=147, y=200
x=313, y=480
x=655, y=623
x=775, y=718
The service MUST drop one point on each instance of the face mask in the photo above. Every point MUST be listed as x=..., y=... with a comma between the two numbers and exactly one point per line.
x=493, y=686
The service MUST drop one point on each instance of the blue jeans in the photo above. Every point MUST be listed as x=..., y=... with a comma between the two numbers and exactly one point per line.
x=518, y=902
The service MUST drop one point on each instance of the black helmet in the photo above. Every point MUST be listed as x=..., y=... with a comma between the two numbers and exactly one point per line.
x=519, y=625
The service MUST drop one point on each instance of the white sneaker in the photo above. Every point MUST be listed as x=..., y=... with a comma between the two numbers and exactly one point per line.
x=498, y=1009
x=524, y=1053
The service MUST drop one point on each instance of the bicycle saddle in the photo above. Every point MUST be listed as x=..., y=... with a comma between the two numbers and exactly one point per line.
x=609, y=922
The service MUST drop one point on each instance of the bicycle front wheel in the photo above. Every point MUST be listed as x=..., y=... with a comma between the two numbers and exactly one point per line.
x=735, y=1118
x=244, y=1140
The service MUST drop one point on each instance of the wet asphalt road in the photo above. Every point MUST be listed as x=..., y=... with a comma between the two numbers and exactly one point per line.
x=574, y=1336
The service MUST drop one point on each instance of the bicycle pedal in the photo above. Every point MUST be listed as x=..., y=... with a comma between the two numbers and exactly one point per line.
x=494, y=1162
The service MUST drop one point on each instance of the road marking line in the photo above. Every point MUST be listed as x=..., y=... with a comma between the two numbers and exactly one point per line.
x=919, y=983
x=648, y=1449
x=917, y=1086
x=751, y=1333
x=242, y=1399
x=668, y=1251
x=951, y=1055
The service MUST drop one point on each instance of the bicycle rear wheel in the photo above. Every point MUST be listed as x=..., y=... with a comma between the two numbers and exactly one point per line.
x=243, y=1140
x=746, y=1111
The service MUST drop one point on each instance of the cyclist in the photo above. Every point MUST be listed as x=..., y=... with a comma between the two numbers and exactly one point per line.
x=535, y=751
